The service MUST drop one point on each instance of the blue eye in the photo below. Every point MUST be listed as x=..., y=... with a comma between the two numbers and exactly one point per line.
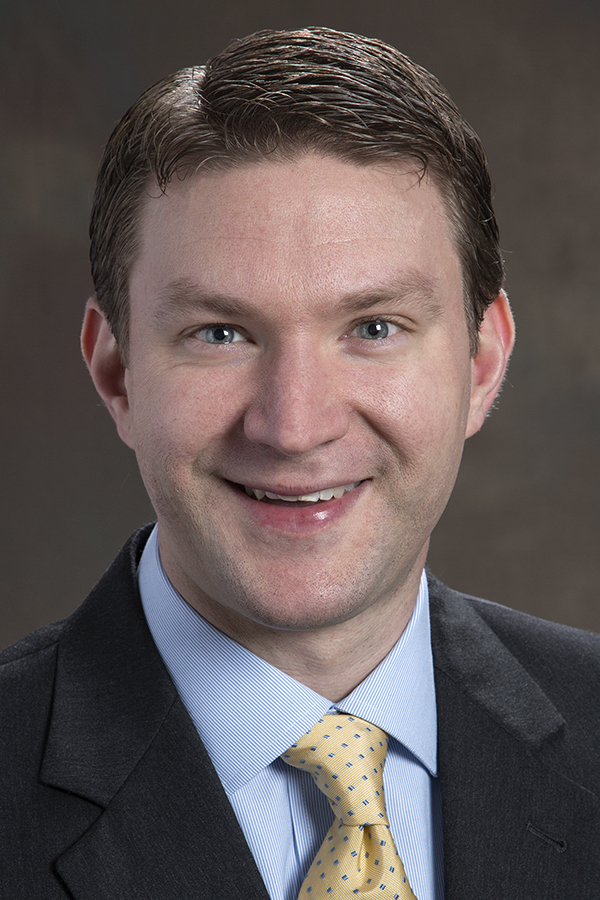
x=376, y=330
x=220, y=334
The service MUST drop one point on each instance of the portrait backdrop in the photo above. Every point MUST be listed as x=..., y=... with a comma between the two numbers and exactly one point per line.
x=523, y=526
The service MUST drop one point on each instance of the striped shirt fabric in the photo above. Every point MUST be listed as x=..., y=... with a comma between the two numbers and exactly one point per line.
x=248, y=713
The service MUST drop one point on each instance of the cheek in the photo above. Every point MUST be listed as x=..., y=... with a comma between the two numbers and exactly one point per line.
x=176, y=419
x=186, y=403
x=422, y=414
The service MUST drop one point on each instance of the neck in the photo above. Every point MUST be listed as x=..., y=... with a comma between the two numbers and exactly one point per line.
x=318, y=657
x=320, y=661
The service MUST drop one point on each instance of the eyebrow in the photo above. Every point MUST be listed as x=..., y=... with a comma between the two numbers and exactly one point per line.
x=419, y=291
x=185, y=295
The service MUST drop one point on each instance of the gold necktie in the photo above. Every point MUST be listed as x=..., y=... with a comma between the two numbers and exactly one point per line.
x=345, y=756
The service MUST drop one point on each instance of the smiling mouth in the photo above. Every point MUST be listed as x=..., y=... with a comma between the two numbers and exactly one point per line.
x=332, y=493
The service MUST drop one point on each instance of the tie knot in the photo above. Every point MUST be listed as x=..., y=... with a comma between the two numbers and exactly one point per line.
x=345, y=756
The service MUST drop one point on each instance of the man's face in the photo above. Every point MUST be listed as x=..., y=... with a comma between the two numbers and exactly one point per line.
x=297, y=327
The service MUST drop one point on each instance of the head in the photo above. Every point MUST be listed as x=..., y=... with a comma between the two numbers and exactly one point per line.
x=275, y=95
x=300, y=242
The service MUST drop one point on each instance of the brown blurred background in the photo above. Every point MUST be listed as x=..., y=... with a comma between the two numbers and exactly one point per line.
x=523, y=527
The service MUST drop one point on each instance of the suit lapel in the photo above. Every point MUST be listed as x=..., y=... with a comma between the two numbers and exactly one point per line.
x=168, y=832
x=120, y=737
x=516, y=823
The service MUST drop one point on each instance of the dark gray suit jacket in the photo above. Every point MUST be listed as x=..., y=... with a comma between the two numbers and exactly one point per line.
x=106, y=792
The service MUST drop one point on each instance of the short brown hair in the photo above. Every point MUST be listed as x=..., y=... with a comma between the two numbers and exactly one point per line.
x=277, y=93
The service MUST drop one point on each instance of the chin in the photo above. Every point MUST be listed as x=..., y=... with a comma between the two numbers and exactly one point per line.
x=307, y=607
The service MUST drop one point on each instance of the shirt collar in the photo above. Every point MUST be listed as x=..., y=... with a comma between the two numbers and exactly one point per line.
x=247, y=712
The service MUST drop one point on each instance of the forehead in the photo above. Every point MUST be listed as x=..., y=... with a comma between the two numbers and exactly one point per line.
x=314, y=225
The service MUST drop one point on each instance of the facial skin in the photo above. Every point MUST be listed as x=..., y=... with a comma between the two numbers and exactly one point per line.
x=258, y=357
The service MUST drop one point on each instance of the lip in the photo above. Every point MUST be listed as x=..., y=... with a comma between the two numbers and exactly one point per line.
x=296, y=519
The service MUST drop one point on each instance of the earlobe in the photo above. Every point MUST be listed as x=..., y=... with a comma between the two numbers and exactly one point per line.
x=101, y=353
x=488, y=366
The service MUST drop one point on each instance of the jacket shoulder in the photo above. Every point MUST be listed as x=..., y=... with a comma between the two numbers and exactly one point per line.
x=28, y=648
x=517, y=627
x=26, y=667
x=26, y=680
x=564, y=661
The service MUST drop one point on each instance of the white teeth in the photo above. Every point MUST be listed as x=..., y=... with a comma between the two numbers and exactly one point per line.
x=310, y=498
x=327, y=494
x=255, y=492
x=279, y=497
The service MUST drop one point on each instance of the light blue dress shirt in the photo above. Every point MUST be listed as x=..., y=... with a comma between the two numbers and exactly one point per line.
x=247, y=713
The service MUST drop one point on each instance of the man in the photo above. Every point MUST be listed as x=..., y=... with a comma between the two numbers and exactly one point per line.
x=298, y=320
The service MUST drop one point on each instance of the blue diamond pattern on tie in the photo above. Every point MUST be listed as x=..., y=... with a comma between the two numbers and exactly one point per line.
x=358, y=858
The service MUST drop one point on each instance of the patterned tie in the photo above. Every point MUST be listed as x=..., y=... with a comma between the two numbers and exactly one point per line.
x=345, y=756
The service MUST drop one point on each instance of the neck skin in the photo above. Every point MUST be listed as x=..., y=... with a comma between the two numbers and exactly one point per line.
x=319, y=657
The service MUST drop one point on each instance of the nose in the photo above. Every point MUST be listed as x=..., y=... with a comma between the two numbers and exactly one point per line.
x=298, y=403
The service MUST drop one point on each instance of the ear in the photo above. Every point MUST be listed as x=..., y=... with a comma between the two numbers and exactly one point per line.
x=101, y=353
x=488, y=366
